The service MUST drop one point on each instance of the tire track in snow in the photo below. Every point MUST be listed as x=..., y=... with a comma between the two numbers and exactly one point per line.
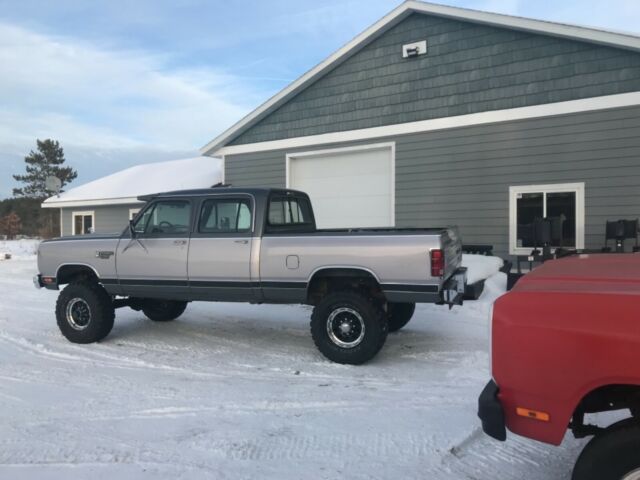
x=99, y=358
x=480, y=457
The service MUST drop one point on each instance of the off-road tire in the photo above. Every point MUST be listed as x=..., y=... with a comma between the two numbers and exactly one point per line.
x=611, y=455
x=163, y=310
x=399, y=314
x=373, y=318
x=93, y=297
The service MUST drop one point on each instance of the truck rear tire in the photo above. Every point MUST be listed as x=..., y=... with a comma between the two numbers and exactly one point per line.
x=348, y=328
x=611, y=455
x=163, y=310
x=84, y=312
x=399, y=314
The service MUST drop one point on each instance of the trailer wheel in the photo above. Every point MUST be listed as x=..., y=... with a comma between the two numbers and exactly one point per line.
x=399, y=315
x=612, y=455
x=348, y=327
x=84, y=312
x=163, y=310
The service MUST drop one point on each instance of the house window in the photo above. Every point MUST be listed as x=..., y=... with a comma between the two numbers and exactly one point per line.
x=83, y=223
x=133, y=212
x=563, y=202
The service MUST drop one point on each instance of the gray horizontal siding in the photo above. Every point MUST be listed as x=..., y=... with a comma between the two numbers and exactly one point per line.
x=108, y=218
x=462, y=176
x=469, y=68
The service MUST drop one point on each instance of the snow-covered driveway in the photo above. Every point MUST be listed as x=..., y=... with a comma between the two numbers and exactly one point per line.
x=239, y=391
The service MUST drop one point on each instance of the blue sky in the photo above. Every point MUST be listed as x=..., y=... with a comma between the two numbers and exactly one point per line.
x=124, y=82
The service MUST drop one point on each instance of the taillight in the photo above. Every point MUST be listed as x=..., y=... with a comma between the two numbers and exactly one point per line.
x=437, y=263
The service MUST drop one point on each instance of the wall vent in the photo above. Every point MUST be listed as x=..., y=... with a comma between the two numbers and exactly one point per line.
x=414, y=49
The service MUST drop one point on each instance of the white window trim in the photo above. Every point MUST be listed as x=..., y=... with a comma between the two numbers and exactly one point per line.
x=356, y=148
x=86, y=213
x=578, y=188
x=133, y=212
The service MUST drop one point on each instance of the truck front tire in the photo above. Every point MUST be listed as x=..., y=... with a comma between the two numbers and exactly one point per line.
x=163, y=310
x=348, y=328
x=611, y=455
x=399, y=315
x=84, y=312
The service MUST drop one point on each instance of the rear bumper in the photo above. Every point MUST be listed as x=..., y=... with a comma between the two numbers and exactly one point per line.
x=491, y=412
x=453, y=289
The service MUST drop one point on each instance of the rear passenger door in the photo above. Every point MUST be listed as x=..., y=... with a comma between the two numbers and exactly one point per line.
x=220, y=254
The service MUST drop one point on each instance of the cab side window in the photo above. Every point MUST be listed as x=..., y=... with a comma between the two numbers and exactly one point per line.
x=225, y=216
x=286, y=210
x=168, y=217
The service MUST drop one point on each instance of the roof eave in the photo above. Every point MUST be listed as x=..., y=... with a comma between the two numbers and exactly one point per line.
x=309, y=77
x=89, y=202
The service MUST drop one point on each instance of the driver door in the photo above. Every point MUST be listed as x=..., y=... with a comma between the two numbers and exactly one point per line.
x=154, y=263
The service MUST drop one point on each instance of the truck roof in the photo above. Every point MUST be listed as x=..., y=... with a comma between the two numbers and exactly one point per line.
x=586, y=273
x=256, y=191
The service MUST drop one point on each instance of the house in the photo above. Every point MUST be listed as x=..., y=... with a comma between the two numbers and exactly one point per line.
x=438, y=116
x=107, y=204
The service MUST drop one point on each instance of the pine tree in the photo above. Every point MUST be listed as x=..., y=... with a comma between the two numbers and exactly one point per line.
x=10, y=225
x=46, y=161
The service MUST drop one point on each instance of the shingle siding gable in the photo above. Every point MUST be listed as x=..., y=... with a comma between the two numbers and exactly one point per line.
x=469, y=68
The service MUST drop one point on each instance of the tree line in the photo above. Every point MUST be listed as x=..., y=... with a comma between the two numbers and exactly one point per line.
x=22, y=214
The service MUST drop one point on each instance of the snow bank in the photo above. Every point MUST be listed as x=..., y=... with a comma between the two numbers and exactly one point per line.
x=480, y=267
x=494, y=287
x=19, y=248
x=199, y=172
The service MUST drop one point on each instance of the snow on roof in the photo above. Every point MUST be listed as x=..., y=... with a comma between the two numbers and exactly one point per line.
x=125, y=186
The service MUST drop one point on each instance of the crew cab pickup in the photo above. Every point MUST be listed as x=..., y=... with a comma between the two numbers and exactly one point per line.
x=253, y=245
x=566, y=343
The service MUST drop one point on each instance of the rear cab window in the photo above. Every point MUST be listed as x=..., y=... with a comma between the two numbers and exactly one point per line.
x=289, y=213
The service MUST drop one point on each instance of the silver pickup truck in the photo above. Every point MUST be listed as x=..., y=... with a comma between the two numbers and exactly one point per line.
x=253, y=245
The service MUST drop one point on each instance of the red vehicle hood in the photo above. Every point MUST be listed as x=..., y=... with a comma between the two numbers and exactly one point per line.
x=589, y=273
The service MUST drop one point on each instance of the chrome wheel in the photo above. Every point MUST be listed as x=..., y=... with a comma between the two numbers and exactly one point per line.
x=345, y=327
x=78, y=314
x=635, y=475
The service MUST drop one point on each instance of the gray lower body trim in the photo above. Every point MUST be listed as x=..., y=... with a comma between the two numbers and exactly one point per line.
x=233, y=291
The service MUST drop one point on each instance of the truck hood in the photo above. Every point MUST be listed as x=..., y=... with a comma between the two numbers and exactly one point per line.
x=587, y=273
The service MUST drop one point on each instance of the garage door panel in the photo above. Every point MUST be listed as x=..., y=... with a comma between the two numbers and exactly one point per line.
x=348, y=189
x=332, y=166
x=327, y=187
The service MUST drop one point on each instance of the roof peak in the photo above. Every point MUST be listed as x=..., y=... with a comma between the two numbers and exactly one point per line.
x=545, y=27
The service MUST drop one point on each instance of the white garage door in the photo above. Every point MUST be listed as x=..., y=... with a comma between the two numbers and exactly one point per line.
x=351, y=187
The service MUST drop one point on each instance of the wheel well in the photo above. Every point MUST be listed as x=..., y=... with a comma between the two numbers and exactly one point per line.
x=72, y=273
x=330, y=280
x=604, y=399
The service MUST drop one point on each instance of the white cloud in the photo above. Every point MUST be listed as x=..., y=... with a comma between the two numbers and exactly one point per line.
x=85, y=95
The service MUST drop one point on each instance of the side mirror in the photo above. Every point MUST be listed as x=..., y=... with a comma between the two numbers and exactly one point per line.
x=132, y=229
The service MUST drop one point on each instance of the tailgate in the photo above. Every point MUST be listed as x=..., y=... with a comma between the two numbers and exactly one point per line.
x=452, y=247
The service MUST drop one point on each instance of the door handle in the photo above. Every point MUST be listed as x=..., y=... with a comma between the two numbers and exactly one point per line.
x=179, y=242
x=243, y=242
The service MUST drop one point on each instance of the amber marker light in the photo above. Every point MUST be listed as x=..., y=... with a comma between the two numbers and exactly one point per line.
x=533, y=414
